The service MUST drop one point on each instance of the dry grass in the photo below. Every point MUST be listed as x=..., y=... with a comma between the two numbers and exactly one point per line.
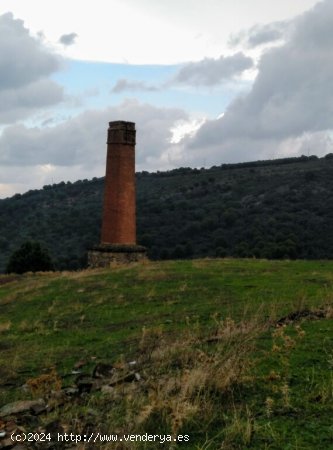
x=188, y=383
x=27, y=285
x=45, y=384
x=5, y=326
x=151, y=272
x=185, y=377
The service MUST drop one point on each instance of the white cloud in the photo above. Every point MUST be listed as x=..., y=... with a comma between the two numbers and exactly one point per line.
x=149, y=31
x=25, y=65
x=79, y=143
x=185, y=128
x=287, y=111
x=291, y=97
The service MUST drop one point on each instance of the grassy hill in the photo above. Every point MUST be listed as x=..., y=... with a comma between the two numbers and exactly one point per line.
x=264, y=209
x=234, y=354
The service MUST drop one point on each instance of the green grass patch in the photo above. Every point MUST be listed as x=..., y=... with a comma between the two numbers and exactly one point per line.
x=214, y=362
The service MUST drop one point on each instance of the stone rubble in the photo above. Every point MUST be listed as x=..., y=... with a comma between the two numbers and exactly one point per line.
x=29, y=415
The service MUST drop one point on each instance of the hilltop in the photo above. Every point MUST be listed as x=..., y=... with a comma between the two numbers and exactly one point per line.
x=232, y=353
x=264, y=209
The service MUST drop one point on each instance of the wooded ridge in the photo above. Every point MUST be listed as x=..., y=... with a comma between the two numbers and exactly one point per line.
x=264, y=209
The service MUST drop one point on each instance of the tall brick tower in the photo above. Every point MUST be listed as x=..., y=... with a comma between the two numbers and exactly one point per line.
x=118, y=237
x=119, y=226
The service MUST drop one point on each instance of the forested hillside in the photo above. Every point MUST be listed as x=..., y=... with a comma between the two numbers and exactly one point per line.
x=264, y=209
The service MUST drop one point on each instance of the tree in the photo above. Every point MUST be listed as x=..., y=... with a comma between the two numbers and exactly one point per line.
x=30, y=257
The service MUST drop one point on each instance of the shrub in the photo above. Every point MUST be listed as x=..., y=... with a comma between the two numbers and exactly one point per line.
x=30, y=257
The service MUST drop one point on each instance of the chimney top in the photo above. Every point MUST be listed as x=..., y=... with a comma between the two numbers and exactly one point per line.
x=122, y=124
x=121, y=132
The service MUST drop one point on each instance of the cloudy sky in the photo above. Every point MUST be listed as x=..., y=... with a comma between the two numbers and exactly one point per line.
x=206, y=83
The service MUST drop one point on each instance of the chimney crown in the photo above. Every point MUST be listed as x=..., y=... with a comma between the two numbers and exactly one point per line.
x=121, y=132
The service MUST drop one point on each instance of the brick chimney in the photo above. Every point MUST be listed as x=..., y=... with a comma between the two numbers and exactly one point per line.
x=118, y=236
x=119, y=219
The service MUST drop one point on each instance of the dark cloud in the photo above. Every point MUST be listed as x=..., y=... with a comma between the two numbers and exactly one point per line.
x=291, y=97
x=21, y=102
x=261, y=34
x=126, y=85
x=210, y=71
x=25, y=65
x=23, y=59
x=266, y=34
x=81, y=140
x=68, y=39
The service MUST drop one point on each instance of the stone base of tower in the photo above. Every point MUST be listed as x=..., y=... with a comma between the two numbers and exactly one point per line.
x=107, y=255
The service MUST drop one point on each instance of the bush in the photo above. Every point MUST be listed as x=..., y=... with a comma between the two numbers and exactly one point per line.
x=30, y=257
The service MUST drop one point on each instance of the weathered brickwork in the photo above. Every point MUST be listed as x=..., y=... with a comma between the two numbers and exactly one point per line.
x=118, y=237
x=119, y=217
